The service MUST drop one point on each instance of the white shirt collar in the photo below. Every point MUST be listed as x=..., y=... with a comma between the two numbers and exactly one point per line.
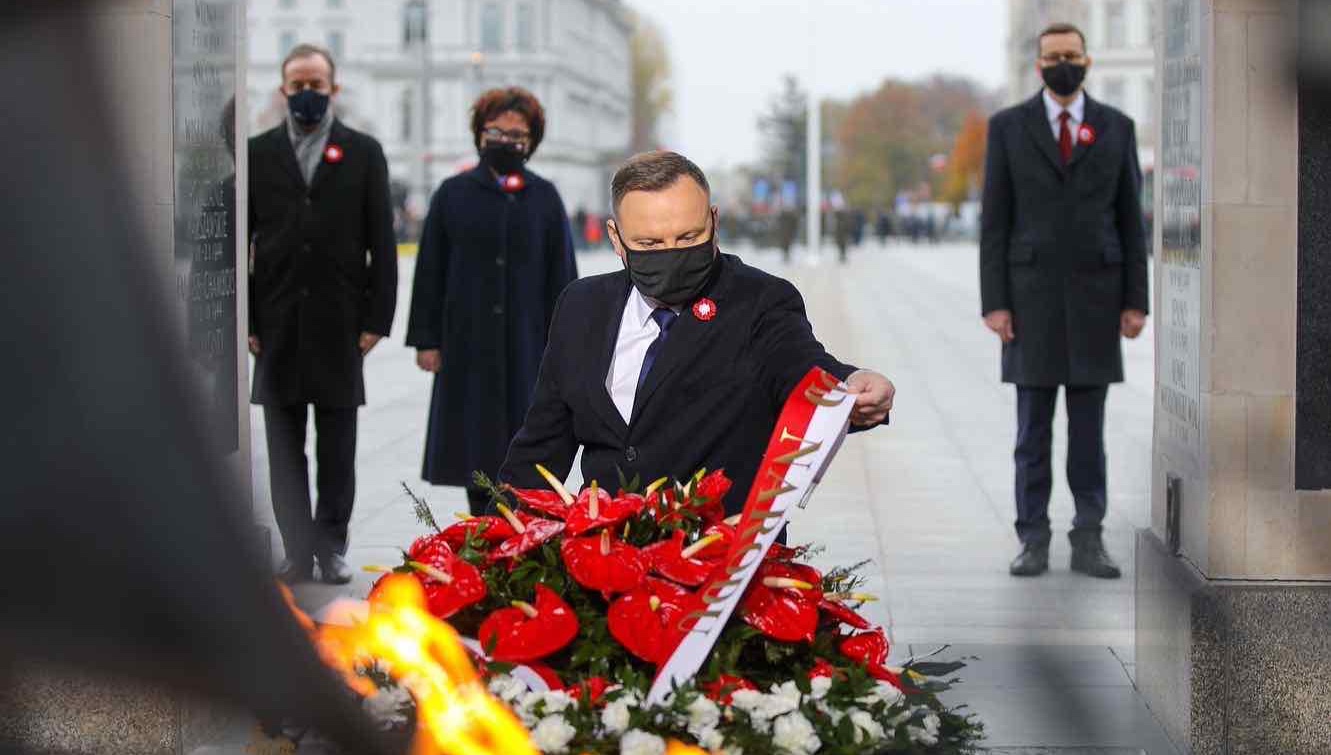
x=1052, y=109
x=640, y=308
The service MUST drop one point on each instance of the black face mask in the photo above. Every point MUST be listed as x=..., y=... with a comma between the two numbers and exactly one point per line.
x=673, y=277
x=503, y=158
x=307, y=106
x=1064, y=79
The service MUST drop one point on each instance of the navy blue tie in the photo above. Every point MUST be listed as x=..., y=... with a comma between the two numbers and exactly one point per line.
x=664, y=319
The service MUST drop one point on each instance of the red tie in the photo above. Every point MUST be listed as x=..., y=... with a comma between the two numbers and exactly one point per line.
x=1064, y=136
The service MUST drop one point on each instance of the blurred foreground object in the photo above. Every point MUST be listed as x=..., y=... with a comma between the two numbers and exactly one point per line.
x=122, y=545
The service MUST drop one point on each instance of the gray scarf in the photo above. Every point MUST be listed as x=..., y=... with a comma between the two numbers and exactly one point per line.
x=309, y=145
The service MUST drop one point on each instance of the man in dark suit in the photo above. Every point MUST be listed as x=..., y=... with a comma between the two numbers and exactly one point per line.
x=322, y=294
x=680, y=361
x=1062, y=277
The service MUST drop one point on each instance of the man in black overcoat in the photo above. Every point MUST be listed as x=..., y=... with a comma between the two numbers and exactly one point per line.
x=322, y=294
x=1062, y=277
x=682, y=360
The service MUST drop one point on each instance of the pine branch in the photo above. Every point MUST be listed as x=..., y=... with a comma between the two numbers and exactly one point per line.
x=423, y=513
x=496, y=493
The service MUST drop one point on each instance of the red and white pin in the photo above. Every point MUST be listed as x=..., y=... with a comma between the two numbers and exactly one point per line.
x=333, y=154
x=1086, y=135
x=512, y=183
x=704, y=309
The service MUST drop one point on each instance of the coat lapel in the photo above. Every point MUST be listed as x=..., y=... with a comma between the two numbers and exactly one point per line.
x=338, y=136
x=1095, y=118
x=603, y=343
x=286, y=153
x=687, y=337
x=1037, y=126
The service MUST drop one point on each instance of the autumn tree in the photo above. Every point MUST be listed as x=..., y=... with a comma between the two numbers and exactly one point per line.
x=652, y=94
x=783, y=127
x=965, y=165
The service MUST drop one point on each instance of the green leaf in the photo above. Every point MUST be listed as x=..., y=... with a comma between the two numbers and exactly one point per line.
x=422, y=509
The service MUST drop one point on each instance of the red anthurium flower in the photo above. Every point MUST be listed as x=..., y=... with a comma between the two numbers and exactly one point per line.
x=713, y=488
x=529, y=632
x=529, y=534
x=661, y=500
x=822, y=668
x=674, y=561
x=869, y=648
x=882, y=674
x=840, y=613
x=491, y=529
x=601, y=563
x=450, y=583
x=592, y=690
x=725, y=687
x=547, y=502
x=647, y=621
x=595, y=508
x=782, y=602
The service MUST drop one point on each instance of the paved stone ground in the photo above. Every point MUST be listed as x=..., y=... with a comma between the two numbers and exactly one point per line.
x=928, y=500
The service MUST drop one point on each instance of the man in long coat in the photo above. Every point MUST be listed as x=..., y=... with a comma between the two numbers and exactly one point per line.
x=495, y=253
x=323, y=292
x=1062, y=277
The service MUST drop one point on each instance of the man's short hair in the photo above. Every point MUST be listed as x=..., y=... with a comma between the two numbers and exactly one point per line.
x=1060, y=28
x=653, y=171
x=305, y=50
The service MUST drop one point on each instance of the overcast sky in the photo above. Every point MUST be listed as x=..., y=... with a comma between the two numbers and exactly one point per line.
x=728, y=56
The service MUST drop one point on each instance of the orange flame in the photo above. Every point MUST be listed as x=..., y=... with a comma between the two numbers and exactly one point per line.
x=455, y=714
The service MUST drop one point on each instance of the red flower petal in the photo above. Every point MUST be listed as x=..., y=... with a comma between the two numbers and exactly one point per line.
x=610, y=511
x=843, y=614
x=538, y=531
x=652, y=633
x=666, y=558
x=491, y=529
x=592, y=690
x=725, y=686
x=465, y=587
x=620, y=569
x=511, y=636
x=547, y=502
x=822, y=668
x=786, y=614
x=868, y=648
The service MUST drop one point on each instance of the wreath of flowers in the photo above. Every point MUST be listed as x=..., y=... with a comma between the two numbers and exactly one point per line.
x=591, y=592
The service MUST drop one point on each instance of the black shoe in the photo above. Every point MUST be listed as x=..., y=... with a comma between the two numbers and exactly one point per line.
x=1094, y=561
x=294, y=570
x=1033, y=560
x=334, y=570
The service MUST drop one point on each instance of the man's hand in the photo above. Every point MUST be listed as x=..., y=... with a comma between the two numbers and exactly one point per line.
x=254, y=345
x=430, y=360
x=873, y=397
x=1131, y=322
x=368, y=341
x=1000, y=321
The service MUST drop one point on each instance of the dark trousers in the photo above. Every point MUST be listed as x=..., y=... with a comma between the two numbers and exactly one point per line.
x=1086, y=458
x=289, y=477
x=478, y=502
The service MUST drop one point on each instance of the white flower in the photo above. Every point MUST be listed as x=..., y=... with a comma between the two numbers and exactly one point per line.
x=507, y=688
x=789, y=692
x=920, y=736
x=882, y=692
x=615, y=717
x=711, y=740
x=764, y=707
x=385, y=707
x=556, y=701
x=733, y=750
x=552, y=734
x=703, y=715
x=794, y=734
x=866, y=725
x=820, y=685
x=639, y=742
x=931, y=723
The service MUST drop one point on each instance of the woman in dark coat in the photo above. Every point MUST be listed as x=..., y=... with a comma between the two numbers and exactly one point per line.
x=495, y=253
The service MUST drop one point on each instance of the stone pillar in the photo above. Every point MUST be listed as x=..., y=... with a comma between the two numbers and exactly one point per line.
x=167, y=70
x=1234, y=575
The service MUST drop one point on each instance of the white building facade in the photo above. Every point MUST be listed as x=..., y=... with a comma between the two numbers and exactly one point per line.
x=411, y=69
x=1120, y=40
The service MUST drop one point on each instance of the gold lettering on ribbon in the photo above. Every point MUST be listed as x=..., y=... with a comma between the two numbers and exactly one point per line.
x=829, y=380
x=787, y=436
x=793, y=455
x=768, y=495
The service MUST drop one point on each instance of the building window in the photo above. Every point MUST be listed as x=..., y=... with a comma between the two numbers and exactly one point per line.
x=492, y=27
x=285, y=41
x=1116, y=25
x=335, y=44
x=414, y=27
x=408, y=113
x=526, y=26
